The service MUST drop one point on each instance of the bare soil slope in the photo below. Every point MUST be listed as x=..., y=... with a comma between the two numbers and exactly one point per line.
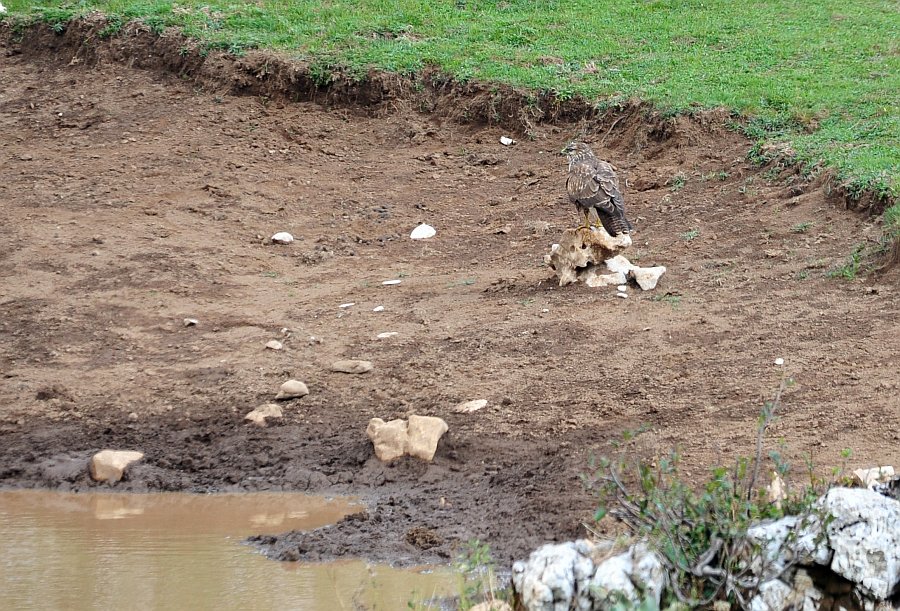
x=131, y=199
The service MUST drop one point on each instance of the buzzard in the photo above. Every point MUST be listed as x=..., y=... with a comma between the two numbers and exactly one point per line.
x=593, y=184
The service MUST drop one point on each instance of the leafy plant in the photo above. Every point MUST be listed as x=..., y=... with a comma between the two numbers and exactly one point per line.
x=690, y=235
x=479, y=573
x=700, y=534
x=678, y=181
x=802, y=227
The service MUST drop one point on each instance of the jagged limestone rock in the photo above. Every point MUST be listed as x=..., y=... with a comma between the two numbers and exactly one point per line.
x=418, y=438
x=592, y=257
x=110, y=465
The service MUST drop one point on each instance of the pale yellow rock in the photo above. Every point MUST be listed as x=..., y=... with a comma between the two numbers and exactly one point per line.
x=292, y=389
x=776, y=490
x=388, y=438
x=351, y=366
x=470, y=406
x=259, y=415
x=424, y=433
x=110, y=465
x=594, y=279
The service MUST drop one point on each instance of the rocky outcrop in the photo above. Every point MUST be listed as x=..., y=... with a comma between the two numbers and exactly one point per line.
x=593, y=258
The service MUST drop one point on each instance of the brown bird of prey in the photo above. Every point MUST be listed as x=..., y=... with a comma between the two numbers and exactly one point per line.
x=593, y=184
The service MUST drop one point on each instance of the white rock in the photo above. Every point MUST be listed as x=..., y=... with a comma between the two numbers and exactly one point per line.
x=418, y=438
x=110, y=465
x=622, y=288
x=870, y=477
x=647, y=277
x=2, y=8
x=378, y=309
x=619, y=264
x=864, y=534
x=556, y=577
x=648, y=573
x=470, y=406
x=776, y=490
x=259, y=415
x=351, y=366
x=347, y=305
x=386, y=334
x=614, y=575
x=423, y=232
x=779, y=361
x=282, y=237
x=274, y=344
x=771, y=596
x=622, y=295
x=494, y=605
x=506, y=141
x=791, y=538
x=391, y=282
x=191, y=322
x=594, y=279
x=292, y=389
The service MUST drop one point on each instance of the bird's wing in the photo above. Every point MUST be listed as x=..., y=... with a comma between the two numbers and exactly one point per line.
x=608, y=182
x=582, y=187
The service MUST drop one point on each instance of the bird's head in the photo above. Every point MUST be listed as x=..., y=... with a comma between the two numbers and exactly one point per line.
x=577, y=151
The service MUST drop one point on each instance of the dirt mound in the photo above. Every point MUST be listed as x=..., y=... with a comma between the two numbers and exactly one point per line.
x=137, y=191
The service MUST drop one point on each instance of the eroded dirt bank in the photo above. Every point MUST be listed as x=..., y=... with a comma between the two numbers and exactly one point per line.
x=133, y=198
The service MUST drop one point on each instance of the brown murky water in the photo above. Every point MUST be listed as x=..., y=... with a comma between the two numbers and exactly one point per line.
x=181, y=551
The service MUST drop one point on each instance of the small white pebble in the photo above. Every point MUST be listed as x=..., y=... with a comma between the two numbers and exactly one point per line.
x=386, y=334
x=378, y=309
x=622, y=288
x=506, y=140
x=190, y=322
x=545, y=310
x=274, y=345
x=391, y=282
x=779, y=361
x=423, y=232
x=622, y=295
x=347, y=305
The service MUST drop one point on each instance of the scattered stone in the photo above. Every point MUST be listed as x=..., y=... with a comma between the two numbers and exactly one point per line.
x=423, y=232
x=274, y=344
x=386, y=334
x=622, y=295
x=776, y=490
x=282, y=237
x=351, y=366
x=647, y=277
x=506, y=141
x=347, y=305
x=191, y=322
x=418, y=437
x=593, y=278
x=779, y=362
x=285, y=332
x=259, y=415
x=133, y=416
x=470, y=406
x=292, y=389
x=110, y=465
x=868, y=478
x=391, y=282
x=622, y=288
x=312, y=340
x=388, y=438
x=378, y=309
x=424, y=434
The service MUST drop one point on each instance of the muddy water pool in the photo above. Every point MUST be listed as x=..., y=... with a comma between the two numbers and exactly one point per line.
x=182, y=551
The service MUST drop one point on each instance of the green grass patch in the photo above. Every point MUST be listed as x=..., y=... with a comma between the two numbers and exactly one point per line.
x=820, y=75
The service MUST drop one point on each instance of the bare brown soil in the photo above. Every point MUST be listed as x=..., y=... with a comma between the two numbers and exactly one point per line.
x=132, y=198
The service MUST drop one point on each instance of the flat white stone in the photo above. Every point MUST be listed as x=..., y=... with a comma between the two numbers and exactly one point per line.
x=191, y=322
x=622, y=288
x=274, y=344
x=622, y=295
x=386, y=334
x=347, y=305
x=391, y=282
x=470, y=406
x=423, y=232
x=506, y=141
x=378, y=309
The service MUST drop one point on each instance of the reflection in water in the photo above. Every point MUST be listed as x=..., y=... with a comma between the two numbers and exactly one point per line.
x=182, y=551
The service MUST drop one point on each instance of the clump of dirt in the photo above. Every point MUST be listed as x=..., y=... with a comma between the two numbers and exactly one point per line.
x=139, y=191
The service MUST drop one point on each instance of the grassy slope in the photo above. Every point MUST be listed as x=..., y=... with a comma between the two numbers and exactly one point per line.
x=820, y=74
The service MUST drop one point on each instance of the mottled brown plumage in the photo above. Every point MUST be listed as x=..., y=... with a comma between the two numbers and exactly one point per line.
x=592, y=184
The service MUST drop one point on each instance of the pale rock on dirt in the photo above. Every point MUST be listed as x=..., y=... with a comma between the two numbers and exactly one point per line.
x=292, y=389
x=470, y=406
x=110, y=465
x=586, y=256
x=351, y=366
x=869, y=478
x=418, y=437
x=259, y=415
x=274, y=344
